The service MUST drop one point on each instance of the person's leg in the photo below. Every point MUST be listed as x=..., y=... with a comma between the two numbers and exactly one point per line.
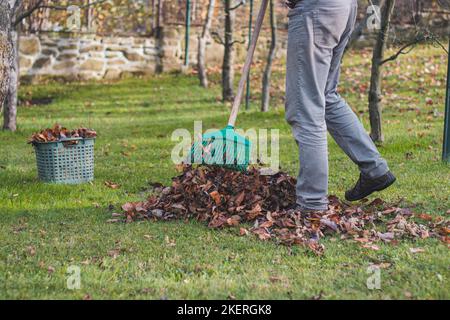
x=344, y=125
x=315, y=29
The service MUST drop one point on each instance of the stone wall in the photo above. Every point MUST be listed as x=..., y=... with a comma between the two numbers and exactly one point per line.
x=71, y=56
x=85, y=57
x=77, y=56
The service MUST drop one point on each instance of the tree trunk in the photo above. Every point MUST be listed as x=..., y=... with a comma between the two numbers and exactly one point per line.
x=202, y=75
x=270, y=58
x=228, y=56
x=10, y=107
x=88, y=15
x=4, y=67
x=6, y=55
x=154, y=13
x=375, y=106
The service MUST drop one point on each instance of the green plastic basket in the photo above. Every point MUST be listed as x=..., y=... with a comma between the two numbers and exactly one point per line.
x=64, y=162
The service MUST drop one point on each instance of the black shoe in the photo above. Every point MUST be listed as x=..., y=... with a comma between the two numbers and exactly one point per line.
x=366, y=186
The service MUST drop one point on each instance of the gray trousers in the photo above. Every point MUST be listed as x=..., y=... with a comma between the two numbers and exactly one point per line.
x=319, y=31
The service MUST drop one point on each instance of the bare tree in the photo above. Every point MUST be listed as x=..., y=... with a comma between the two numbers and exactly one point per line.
x=12, y=13
x=271, y=56
x=202, y=41
x=6, y=52
x=375, y=106
x=229, y=54
x=228, y=42
x=10, y=34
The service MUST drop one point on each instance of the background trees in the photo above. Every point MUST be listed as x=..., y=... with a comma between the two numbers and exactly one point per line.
x=13, y=13
x=421, y=32
x=404, y=23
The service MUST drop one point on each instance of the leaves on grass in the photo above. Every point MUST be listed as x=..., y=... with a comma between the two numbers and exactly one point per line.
x=264, y=205
x=114, y=253
x=425, y=216
x=169, y=242
x=31, y=250
x=57, y=133
x=216, y=196
x=112, y=185
x=416, y=250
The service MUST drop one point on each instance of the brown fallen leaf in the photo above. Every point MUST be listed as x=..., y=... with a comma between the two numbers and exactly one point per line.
x=274, y=279
x=389, y=211
x=128, y=207
x=240, y=198
x=316, y=247
x=112, y=185
x=425, y=216
x=216, y=196
x=114, y=253
x=220, y=198
x=262, y=233
x=31, y=250
x=116, y=215
x=387, y=236
x=179, y=167
x=243, y=232
x=371, y=247
x=170, y=242
x=416, y=250
x=256, y=211
x=383, y=265
x=234, y=220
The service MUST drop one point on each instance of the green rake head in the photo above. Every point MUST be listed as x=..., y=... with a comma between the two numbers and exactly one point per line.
x=223, y=148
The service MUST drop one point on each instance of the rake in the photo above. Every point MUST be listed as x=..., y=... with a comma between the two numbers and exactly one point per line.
x=226, y=147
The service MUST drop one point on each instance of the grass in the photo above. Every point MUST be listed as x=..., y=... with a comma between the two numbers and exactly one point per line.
x=44, y=228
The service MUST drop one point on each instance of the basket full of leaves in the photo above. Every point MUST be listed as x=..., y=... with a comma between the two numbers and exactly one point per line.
x=64, y=156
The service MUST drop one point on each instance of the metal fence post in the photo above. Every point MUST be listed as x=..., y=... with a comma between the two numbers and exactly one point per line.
x=188, y=31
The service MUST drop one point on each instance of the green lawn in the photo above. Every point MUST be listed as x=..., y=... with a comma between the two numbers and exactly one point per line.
x=46, y=228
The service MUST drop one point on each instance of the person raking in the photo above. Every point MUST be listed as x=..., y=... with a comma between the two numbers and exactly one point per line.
x=319, y=31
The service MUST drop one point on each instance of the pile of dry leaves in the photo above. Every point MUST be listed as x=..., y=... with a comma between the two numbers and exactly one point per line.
x=263, y=205
x=58, y=133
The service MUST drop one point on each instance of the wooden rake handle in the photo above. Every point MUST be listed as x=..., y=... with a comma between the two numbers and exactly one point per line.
x=248, y=62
